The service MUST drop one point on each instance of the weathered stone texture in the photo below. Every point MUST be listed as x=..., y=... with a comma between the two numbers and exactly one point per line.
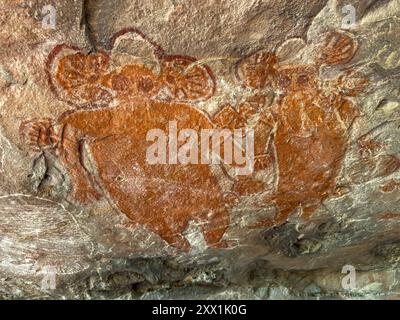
x=78, y=198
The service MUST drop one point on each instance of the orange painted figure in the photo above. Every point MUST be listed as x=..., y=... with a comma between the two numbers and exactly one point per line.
x=103, y=146
x=307, y=124
x=162, y=197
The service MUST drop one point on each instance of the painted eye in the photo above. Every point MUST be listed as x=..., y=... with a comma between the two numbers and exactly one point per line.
x=145, y=85
x=120, y=82
x=284, y=81
x=302, y=79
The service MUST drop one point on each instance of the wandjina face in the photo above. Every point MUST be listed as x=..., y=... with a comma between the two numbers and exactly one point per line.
x=297, y=142
x=295, y=78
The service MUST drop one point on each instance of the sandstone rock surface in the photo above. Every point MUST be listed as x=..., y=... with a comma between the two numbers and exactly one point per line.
x=83, y=214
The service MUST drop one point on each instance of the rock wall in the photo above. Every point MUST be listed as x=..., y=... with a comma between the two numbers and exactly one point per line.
x=85, y=214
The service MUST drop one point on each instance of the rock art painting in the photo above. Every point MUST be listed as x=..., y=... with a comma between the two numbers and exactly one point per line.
x=308, y=121
x=162, y=197
x=302, y=132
